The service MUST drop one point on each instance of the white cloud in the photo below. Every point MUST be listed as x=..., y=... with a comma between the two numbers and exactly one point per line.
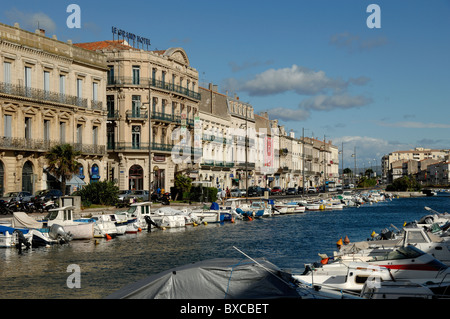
x=368, y=149
x=286, y=114
x=328, y=103
x=299, y=79
x=32, y=21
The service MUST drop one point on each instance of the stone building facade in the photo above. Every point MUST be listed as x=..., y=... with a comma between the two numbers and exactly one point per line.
x=143, y=85
x=51, y=93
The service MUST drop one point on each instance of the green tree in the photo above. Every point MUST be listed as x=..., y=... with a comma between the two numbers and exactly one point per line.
x=103, y=193
x=403, y=184
x=183, y=183
x=62, y=163
x=347, y=170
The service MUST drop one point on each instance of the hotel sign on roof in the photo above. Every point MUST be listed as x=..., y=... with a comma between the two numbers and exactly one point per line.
x=130, y=36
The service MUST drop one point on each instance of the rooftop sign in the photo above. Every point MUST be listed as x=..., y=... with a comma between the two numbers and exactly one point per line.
x=130, y=37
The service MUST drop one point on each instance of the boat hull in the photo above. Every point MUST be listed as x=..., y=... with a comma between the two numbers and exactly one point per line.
x=80, y=230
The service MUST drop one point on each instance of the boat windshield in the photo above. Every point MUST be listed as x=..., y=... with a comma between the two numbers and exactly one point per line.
x=401, y=253
x=131, y=210
x=51, y=215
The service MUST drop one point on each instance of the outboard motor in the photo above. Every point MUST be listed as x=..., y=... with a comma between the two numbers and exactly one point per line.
x=57, y=232
x=21, y=240
x=150, y=222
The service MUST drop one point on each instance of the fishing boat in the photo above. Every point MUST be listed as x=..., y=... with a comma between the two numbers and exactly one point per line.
x=64, y=216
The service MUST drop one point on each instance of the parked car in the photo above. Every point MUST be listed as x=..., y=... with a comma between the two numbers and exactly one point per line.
x=123, y=195
x=235, y=192
x=141, y=195
x=312, y=190
x=47, y=194
x=16, y=196
x=276, y=190
x=291, y=191
x=254, y=191
x=243, y=192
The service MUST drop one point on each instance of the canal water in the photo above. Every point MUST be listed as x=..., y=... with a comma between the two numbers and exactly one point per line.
x=288, y=241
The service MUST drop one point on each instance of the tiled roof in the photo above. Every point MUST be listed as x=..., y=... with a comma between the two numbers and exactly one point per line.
x=107, y=44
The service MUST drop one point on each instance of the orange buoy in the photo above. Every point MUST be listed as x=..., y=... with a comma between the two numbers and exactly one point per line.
x=324, y=261
x=108, y=237
x=139, y=229
x=339, y=242
x=346, y=240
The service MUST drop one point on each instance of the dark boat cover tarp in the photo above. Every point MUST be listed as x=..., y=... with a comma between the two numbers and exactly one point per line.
x=221, y=278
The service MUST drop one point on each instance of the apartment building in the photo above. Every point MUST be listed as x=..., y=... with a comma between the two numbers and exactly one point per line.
x=51, y=92
x=438, y=173
x=391, y=161
x=152, y=103
x=217, y=165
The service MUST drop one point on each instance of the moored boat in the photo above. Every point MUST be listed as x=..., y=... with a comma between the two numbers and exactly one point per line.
x=64, y=216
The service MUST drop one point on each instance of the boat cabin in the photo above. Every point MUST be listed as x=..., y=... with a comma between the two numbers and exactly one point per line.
x=61, y=214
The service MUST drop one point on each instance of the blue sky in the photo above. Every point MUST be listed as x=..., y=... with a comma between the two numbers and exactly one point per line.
x=311, y=64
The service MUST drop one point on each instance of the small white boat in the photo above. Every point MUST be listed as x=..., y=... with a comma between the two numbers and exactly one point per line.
x=104, y=227
x=63, y=216
x=349, y=277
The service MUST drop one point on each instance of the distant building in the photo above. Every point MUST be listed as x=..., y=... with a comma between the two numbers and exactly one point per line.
x=391, y=161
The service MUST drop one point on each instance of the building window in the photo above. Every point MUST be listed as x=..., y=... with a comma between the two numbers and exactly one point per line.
x=7, y=125
x=46, y=130
x=95, y=91
x=62, y=132
x=62, y=84
x=153, y=76
x=28, y=127
x=136, y=105
x=136, y=137
x=110, y=105
x=27, y=81
x=7, y=72
x=79, y=133
x=110, y=136
x=136, y=75
x=163, y=106
x=110, y=75
x=46, y=81
x=79, y=88
x=95, y=135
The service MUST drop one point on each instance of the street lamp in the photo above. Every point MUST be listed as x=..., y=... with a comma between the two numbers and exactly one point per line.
x=149, y=142
x=354, y=175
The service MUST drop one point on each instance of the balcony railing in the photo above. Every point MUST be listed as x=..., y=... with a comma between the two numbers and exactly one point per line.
x=46, y=96
x=146, y=82
x=41, y=145
x=159, y=147
x=136, y=115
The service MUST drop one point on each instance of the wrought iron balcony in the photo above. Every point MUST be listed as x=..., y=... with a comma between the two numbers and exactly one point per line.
x=136, y=115
x=149, y=82
x=41, y=145
x=46, y=96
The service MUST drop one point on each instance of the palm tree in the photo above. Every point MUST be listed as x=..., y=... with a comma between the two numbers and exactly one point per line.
x=62, y=163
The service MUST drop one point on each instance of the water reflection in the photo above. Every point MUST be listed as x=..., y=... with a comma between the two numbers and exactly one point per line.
x=288, y=241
